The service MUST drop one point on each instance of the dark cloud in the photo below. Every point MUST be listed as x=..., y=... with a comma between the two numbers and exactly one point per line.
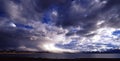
x=110, y=4
x=15, y=38
x=109, y=12
x=2, y=9
x=71, y=13
x=41, y=5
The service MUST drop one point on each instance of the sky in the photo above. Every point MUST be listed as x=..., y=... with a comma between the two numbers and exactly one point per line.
x=59, y=25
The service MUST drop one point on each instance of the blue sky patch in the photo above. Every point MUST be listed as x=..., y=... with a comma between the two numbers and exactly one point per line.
x=24, y=26
x=116, y=33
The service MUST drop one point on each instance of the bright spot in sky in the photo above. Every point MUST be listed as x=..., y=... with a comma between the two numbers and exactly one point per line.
x=54, y=13
x=100, y=23
x=12, y=24
x=51, y=47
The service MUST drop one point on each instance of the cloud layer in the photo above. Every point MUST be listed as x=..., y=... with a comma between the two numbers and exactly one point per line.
x=59, y=25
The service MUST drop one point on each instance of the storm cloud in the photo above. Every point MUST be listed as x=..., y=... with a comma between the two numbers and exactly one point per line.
x=38, y=25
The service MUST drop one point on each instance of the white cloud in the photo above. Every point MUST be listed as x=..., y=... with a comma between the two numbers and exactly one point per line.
x=57, y=35
x=99, y=42
x=52, y=48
